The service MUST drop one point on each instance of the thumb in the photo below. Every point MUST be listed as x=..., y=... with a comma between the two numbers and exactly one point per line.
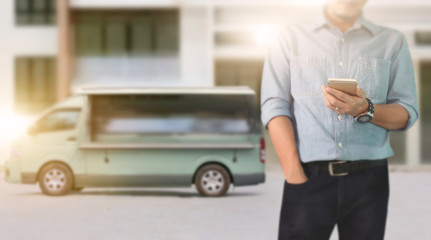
x=359, y=92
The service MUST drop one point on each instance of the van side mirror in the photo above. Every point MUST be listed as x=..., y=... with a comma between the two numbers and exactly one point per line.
x=32, y=130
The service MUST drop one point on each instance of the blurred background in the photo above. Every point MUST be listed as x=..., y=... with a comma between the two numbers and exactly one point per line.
x=51, y=48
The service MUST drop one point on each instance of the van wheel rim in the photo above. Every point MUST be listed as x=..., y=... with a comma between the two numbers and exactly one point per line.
x=54, y=180
x=212, y=181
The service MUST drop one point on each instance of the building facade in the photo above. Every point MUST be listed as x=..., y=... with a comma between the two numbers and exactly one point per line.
x=52, y=48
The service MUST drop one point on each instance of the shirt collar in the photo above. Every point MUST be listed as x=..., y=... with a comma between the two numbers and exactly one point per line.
x=369, y=25
x=321, y=21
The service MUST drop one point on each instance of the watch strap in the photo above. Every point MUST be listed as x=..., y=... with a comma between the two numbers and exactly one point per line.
x=369, y=113
x=370, y=107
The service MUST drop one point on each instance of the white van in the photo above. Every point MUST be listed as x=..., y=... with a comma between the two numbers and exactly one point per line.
x=210, y=137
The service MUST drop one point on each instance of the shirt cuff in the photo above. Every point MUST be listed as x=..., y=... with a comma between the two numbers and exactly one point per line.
x=413, y=115
x=273, y=108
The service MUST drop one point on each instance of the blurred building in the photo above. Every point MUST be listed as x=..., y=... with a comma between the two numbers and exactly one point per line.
x=51, y=48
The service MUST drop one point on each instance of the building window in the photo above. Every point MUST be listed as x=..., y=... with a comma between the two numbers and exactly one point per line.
x=35, y=12
x=127, y=33
x=423, y=38
x=35, y=84
x=126, y=48
x=240, y=38
x=425, y=110
x=398, y=144
x=239, y=73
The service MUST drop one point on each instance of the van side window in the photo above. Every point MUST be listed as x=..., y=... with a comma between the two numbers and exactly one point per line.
x=172, y=114
x=60, y=120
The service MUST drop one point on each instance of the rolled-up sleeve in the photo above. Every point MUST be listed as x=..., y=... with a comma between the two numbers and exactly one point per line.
x=402, y=86
x=275, y=87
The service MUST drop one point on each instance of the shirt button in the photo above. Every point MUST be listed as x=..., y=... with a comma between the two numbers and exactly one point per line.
x=340, y=145
x=341, y=64
x=340, y=117
x=342, y=39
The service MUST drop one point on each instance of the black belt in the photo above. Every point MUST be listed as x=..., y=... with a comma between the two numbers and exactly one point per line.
x=342, y=168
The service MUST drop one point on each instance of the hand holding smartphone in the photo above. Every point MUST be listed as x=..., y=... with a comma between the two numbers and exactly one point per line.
x=346, y=85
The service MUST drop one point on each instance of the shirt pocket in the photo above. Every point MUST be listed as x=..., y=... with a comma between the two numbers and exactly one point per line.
x=307, y=75
x=374, y=77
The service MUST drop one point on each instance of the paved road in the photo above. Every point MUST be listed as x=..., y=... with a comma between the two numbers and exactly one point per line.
x=246, y=213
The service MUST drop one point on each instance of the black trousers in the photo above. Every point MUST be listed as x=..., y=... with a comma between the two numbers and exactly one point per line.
x=356, y=203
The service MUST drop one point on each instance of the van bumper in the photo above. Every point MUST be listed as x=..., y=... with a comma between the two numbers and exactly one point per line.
x=248, y=179
x=12, y=171
x=28, y=178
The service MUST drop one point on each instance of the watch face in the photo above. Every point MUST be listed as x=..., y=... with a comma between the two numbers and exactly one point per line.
x=364, y=118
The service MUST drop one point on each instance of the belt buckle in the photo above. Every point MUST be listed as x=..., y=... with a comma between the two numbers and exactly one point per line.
x=331, y=169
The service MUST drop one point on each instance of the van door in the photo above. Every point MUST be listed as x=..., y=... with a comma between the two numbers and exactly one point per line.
x=123, y=165
x=53, y=137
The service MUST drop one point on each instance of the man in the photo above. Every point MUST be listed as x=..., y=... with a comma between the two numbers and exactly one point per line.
x=313, y=127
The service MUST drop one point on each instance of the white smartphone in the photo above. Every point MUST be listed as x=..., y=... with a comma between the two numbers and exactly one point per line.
x=347, y=85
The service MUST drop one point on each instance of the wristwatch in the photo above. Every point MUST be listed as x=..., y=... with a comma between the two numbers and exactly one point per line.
x=366, y=117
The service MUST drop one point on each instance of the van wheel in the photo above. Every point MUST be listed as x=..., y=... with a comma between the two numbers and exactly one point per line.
x=55, y=179
x=212, y=180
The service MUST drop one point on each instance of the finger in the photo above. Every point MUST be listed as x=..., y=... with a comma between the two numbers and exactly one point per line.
x=359, y=92
x=323, y=88
x=335, y=102
x=324, y=93
x=327, y=103
x=338, y=94
x=339, y=107
x=332, y=102
x=325, y=98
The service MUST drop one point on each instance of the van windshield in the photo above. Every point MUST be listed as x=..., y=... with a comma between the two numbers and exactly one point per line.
x=174, y=114
x=59, y=120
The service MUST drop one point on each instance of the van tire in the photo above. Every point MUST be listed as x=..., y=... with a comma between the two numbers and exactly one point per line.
x=212, y=180
x=55, y=179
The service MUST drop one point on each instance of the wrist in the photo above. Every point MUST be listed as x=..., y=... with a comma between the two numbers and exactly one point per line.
x=295, y=175
x=364, y=107
x=366, y=116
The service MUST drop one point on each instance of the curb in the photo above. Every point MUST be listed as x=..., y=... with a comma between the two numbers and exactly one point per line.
x=410, y=168
x=392, y=168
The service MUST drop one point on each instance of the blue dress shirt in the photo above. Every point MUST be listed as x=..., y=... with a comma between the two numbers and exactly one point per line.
x=301, y=59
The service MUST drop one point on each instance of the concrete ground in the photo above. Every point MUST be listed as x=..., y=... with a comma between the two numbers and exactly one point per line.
x=180, y=213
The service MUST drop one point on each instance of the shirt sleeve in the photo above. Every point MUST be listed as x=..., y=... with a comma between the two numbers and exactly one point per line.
x=402, y=86
x=275, y=87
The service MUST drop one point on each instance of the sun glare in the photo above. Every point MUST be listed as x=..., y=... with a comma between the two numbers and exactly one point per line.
x=262, y=34
x=12, y=125
x=310, y=2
